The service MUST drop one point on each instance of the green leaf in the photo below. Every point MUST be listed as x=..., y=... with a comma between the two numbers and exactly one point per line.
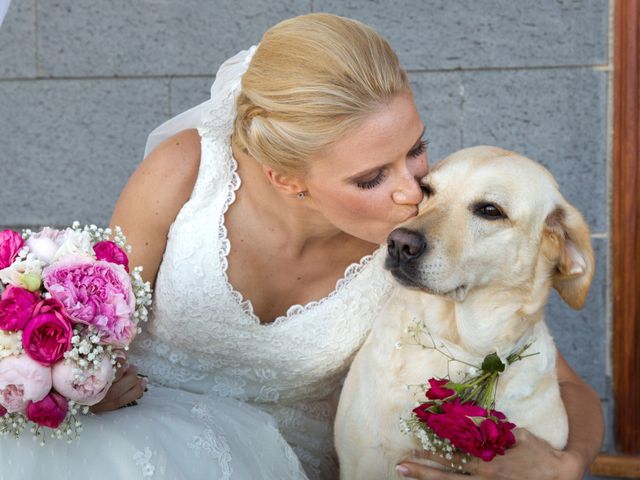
x=492, y=363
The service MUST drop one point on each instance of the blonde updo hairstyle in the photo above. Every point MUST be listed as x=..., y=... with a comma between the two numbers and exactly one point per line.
x=312, y=80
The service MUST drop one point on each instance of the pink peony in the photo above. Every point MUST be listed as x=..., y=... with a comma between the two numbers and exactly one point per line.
x=48, y=334
x=438, y=390
x=22, y=380
x=87, y=392
x=16, y=307
x=94, y=293
x=45, y=243
x=110, y=252
x=48, y=412
x=10, y=244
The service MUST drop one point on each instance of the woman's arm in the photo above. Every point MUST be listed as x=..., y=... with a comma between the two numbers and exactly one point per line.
x=586, y=421
x=154, y=195
x=532, y=457
x=147, y=207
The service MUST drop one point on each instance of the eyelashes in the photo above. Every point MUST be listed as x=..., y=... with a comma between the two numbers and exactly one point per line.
x=372, y=183
x=416, y=152
x=420, y=149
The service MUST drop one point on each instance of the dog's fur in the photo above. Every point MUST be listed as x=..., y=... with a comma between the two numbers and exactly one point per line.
x=479, y=286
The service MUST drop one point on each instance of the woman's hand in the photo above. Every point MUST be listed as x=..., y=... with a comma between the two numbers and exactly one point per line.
x=127, y=387
x=531, y=458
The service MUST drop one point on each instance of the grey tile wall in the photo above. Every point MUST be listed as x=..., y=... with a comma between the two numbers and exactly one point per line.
x=69, y=146
x=440, y=34
x=155, y=37
x=18, y=41
x=82, y=83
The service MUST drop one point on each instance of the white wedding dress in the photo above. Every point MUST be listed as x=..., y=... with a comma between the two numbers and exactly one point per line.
x=229, y=397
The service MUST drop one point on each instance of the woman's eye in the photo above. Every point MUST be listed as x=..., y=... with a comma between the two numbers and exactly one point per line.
x=366, y=184
x=420, y=149
x=489, y=211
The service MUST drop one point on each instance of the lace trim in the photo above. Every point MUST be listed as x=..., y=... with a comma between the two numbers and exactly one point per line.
x=351, y=272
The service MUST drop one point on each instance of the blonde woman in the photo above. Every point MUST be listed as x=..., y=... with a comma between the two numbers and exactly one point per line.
x=258, y=216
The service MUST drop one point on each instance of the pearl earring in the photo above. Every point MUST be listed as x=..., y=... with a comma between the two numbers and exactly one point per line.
x=300, y=195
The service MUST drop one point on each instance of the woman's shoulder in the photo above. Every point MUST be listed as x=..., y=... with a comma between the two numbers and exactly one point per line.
x=175, y=161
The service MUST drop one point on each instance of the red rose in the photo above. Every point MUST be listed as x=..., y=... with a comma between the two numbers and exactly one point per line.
x=424, y=411
x=3, y=411
x=16, y=307
x=48, y=334
x=48, y=412
x=10, y=244
x=437, y=390
x=469, y=409
x=111, y=252
x=459, y=429
x=496, y=437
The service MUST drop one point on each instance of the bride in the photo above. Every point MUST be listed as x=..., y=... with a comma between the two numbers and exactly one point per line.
x=258, y=216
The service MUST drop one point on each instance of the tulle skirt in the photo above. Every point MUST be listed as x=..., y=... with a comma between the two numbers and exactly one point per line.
x=171, y=434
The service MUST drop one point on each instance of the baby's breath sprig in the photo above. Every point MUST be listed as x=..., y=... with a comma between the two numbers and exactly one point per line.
x=86, y=351
x=69, y=430
x=12, y=424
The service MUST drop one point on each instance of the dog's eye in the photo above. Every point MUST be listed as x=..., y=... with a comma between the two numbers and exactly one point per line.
x=489, y=211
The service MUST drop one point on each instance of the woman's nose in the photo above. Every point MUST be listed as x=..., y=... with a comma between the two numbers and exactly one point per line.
x=408, y=191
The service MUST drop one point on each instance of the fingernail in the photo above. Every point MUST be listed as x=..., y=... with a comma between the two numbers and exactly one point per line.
x=144, y=382
x=402, y=470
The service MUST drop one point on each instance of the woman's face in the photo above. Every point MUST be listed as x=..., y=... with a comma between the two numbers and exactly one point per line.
x=367, y=183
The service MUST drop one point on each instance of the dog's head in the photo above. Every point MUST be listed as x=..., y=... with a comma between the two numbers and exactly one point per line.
x=493, y=220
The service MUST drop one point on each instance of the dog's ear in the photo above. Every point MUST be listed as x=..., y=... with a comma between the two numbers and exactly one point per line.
x=572, y=254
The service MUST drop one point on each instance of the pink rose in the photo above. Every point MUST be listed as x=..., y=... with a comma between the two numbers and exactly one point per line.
x=87, y=392
x=48, y=412
x=45, y=243
x=10, y=244
x=16, y=307
x=22, y=380
x=110, y=252
x=94, y=293
x=48, y=334
x=438, y=390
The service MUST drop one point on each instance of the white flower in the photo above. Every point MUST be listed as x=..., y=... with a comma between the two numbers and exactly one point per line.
x=9, y=343
x=75, y=243
x=45, y=243
x=13, y=274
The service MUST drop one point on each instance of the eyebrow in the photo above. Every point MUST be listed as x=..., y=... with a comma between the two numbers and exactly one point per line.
x=374, y=169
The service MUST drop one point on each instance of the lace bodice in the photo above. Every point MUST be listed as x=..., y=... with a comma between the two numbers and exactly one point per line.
x=204, y=337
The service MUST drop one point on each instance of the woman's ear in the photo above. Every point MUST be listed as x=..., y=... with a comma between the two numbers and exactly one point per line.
x=285, y=184
x=574, y=261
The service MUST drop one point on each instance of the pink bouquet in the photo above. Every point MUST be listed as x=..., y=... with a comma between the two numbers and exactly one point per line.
x=68, y=305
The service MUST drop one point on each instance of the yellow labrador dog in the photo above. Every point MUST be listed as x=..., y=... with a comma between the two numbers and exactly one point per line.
x=493, y=236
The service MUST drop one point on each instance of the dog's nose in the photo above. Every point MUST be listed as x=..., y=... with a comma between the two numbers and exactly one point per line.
x=404, y=244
